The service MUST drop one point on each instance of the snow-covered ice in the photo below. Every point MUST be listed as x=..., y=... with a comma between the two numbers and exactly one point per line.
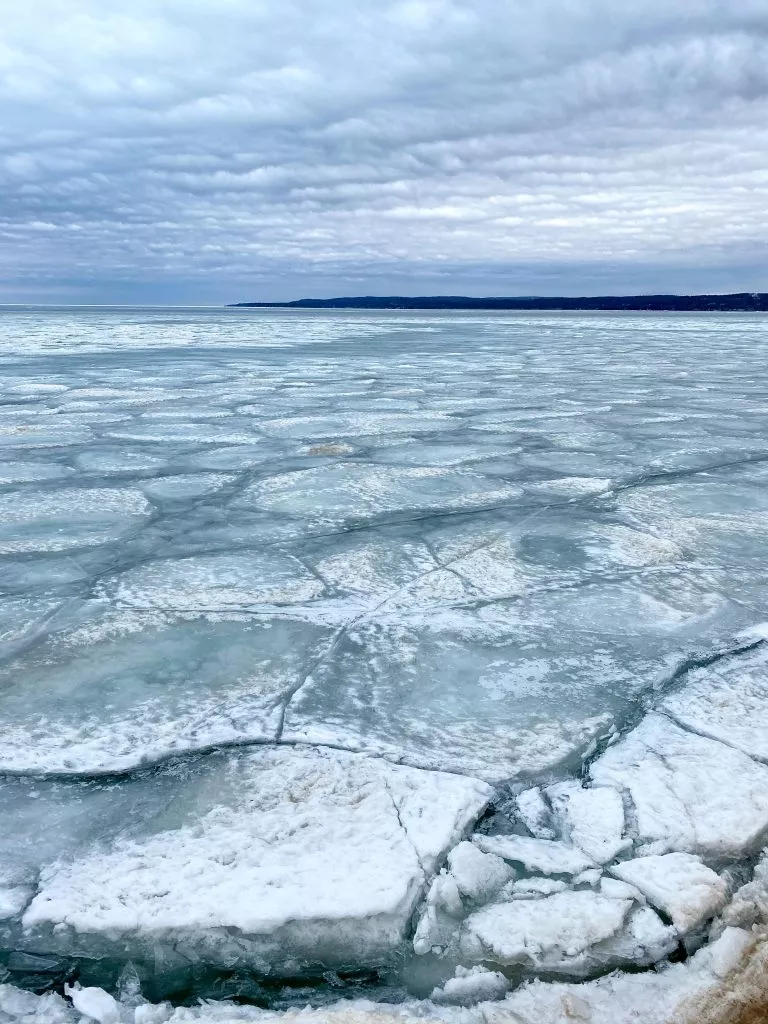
x=277, y=856
x=545, y=855
x=728, y=701
x=679, y=884
x=690, y=793
x=477, y=875
x=543, y=933
x=592, y=818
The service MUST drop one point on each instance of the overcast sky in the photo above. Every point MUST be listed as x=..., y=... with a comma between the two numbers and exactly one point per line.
x=219, y=150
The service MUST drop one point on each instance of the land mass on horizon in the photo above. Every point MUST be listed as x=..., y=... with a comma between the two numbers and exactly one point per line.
x=735, y=302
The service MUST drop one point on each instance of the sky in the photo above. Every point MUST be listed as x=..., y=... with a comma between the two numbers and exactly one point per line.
x=211, y=151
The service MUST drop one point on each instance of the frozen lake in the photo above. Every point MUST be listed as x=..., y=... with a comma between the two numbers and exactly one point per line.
x=257, y=567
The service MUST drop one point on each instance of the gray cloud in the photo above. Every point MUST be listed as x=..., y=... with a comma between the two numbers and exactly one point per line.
x=213, y=150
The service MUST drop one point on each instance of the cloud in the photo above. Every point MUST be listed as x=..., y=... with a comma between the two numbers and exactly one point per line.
x=227, y=149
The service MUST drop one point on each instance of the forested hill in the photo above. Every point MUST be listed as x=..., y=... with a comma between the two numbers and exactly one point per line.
x=739, y=301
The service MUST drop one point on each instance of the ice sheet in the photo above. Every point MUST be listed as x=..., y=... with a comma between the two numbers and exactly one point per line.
x=476, y=544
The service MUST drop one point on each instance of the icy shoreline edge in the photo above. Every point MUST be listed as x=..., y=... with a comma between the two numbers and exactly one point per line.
x=692, y=803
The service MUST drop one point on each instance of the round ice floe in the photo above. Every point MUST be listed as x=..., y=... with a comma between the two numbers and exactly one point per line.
x=357, y=490
x=184, y=486
x=214, y=583
x=118, y=460
x=122, y=688
x=48, y=433
x=26, y=472
x=77, y=517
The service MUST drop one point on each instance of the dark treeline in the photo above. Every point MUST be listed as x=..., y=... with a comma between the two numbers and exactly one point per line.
x=739, y=301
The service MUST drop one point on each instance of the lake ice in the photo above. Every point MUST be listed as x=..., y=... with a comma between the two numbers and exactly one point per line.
x=375, y=650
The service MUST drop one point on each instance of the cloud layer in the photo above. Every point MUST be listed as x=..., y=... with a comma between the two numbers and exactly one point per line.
x=216, y=150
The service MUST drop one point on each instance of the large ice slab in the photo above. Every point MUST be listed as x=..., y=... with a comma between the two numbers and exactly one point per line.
x=677, y=883
x=544, y=933
x=356, y=491
x=281, y=857
x=214, y=583
x=727, y=700
x=68, y=518
x=112, y=689
x=689, y=793
x=592, y=818
x=485, y=691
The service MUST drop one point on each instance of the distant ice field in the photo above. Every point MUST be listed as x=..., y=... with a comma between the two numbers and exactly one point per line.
x=468, y=548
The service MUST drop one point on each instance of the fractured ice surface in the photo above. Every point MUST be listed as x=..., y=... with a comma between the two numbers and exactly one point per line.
x=479, y=545
x=727, y=700
x=545, y=933
x=466, y=691
x=126, y=687
x=677, y=883
x=359, y=491
x=277, y=856
x=689, y=793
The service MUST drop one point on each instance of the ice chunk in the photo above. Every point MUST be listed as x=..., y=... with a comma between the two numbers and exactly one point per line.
x=645, y=939
x=444, y=894
x=306, y=857
x=94, y=1003
x=589, y=877
x=544, y=933
x=593, y=819
x=472, y=985
x=526, y=888
x=678, y=884
x=691, y=793
x=533, y=811
x=438, y=924
x=729, y=949
x=727, y=700
x=642, y=940
x=76, y=517
x=749, y=904
x=620, y=890
x=435, y=931
x=478, y=875
x=551, y=858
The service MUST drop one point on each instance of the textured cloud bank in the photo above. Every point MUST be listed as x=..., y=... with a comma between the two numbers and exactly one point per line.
x=227, y=149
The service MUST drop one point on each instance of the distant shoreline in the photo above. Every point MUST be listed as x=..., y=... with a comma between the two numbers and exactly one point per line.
x=748, y=302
